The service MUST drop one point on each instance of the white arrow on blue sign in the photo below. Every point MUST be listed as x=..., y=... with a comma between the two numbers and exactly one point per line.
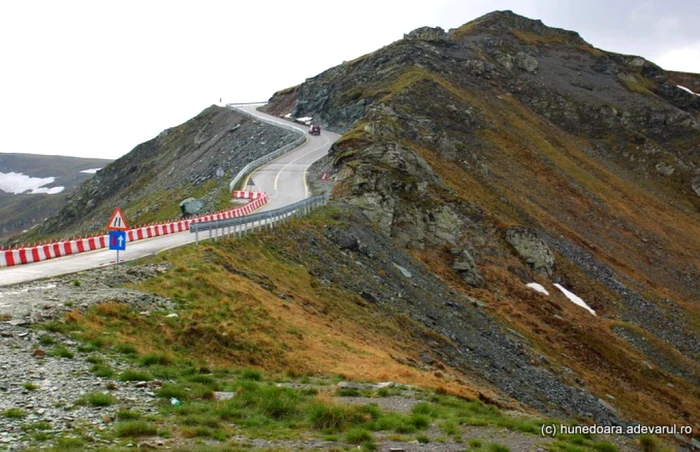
x=117, y=240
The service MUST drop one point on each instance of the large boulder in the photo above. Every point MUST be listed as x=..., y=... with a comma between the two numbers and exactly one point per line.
x=532, y=249
x=192, y=206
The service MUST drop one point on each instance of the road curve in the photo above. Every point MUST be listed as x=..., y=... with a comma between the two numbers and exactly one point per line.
x=283, y=179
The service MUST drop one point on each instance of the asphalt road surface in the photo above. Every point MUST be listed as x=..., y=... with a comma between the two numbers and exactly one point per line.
x=283, y=179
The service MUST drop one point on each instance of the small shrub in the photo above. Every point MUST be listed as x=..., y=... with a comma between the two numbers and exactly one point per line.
x=327, y=416
x=63, y=352
x=47, y=340
x=67, y=443
x=423, y=439
x=368, y=446
x=102, y=370
x=475, y=443
x=251, y=374
x=96, y=399
x=383, y=392
x=43, y=425
x=348, y=392
x=648, y=443
x=448, y=428
x=76, y=283
x=134, y=428
x=495, y=447
x=135, y=375
x=604, y=446
x=152, y=359
x=422, y=408
x=30, y=386
x=126, y=349
x=126, y=415
x=94, y=359
x=14, y=413
x=185, y=391
x=419, y=421
x=357, y=436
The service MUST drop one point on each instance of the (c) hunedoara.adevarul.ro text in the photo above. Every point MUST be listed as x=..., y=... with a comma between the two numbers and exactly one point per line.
x=595, y=429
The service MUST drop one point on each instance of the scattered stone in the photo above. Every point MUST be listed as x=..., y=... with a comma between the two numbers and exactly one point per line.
x=403, y=271
x=223, y=395
x=171, y=316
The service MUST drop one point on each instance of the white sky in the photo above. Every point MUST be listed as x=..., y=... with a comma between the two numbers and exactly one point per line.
x=94, y=78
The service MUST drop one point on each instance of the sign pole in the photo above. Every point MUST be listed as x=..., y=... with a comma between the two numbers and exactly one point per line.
x=117, y=235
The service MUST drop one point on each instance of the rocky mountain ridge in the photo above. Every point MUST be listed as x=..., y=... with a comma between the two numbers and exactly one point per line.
x=506, y=152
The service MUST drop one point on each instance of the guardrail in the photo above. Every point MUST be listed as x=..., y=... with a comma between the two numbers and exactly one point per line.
x=37, y=253
x=271, y=156
x=257, y=221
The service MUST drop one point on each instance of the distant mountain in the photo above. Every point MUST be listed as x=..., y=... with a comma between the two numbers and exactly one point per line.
x=33, y=187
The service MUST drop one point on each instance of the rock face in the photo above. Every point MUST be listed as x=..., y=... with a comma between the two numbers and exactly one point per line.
x=532, y=249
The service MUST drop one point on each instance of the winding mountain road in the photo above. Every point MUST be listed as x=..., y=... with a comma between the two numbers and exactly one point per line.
x=284, y=180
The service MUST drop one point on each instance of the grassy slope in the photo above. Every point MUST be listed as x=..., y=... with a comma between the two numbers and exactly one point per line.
x=242, y=303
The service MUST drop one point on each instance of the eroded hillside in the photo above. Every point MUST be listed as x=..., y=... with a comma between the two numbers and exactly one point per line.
x=149, y=182
x=506, y=152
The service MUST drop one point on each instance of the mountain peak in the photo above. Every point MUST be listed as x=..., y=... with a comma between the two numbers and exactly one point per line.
x=531, y=30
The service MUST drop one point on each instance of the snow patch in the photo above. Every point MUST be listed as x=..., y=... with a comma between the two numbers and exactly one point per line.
x=17, y=183
x=537, y=287
x=687, y=90
x=575, y=298
x=305, y=119
x=91, y=170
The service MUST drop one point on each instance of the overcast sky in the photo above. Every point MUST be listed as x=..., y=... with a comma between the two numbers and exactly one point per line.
x=95, y=78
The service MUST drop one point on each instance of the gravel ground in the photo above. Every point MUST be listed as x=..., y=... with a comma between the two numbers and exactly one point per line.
x=59, y=383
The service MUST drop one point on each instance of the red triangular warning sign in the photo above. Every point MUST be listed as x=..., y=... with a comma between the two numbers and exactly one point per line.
x=117, y=222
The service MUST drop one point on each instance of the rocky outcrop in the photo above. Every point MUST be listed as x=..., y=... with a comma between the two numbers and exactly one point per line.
x=465, y=265
x=532, y=249
x=427, y=34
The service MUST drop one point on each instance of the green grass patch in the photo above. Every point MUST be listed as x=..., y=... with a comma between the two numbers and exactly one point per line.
x=357, y=436
x=47, y=340
x=151, y=359
x=102, y=370
x=30, y=386
x=96, y=399
x=62, y=352
x=14, y=413
x=135, y=375
x=126, y=349
x=134, y=429
x=185, y=391
x=127, y=415
x=251, y=374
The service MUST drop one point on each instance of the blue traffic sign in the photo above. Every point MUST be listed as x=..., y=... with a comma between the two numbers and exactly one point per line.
x=117, y=240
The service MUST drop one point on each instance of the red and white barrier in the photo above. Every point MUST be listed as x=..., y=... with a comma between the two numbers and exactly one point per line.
x=240, y=194
x=38, y=253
